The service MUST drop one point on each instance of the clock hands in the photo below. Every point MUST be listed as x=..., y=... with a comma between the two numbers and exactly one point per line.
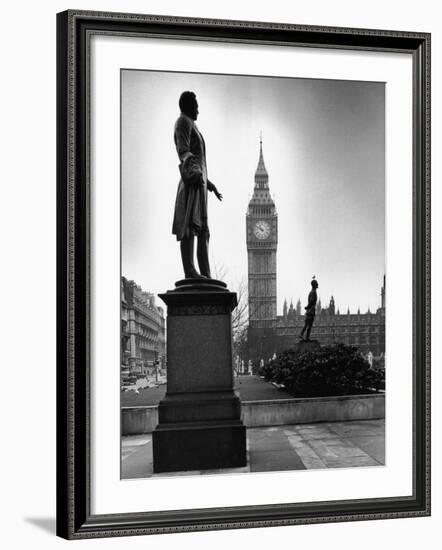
x=262, y=230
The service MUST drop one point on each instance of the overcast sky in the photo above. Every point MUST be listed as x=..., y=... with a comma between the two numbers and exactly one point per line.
x=324, y=150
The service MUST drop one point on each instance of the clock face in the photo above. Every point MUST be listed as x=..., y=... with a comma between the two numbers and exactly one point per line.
x=261, y=230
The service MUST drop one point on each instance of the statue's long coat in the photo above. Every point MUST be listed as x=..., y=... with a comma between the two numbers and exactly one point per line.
x=310, y=310
x=190, y=216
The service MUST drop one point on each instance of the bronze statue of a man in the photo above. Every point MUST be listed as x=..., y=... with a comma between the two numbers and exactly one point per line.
x=310, y=310
x=190, y=216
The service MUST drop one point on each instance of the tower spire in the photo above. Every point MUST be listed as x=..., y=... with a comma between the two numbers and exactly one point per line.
x=261, y=175
x=261, y=201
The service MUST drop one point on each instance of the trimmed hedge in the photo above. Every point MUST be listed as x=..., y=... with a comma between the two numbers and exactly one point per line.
x=329, y=370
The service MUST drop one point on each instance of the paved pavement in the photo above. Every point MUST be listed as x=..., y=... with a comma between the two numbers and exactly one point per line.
x=278, y=448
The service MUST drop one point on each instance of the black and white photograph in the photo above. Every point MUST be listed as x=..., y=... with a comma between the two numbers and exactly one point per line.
x=222, y=264
x=243, y=274
x=253, y=274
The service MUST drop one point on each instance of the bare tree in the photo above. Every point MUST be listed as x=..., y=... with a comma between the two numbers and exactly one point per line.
x=219, y=272
x=240, y=315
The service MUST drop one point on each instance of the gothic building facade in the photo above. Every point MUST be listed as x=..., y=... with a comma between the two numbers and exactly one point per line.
x=269, y=333
x=364, y=330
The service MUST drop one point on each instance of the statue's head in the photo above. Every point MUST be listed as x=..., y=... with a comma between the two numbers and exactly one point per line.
x=315, y=284
x=189, y=105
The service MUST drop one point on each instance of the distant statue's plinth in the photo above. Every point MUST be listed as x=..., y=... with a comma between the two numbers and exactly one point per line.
x=307, y=345
x=200, y=423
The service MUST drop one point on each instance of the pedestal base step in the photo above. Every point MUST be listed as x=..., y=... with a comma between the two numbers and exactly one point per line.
x=199, y=446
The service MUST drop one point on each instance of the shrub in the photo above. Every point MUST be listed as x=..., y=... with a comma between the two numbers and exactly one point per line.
x=326, y=371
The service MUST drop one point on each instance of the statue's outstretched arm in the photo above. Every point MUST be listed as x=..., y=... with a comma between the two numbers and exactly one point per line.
x=212, y=187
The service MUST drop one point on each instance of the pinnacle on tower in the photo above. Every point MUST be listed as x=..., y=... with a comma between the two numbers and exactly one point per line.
x=261, y=166
x=261, y=174
x=261, y=198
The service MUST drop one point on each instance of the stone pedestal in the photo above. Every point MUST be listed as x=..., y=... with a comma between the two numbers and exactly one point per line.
x=307, y=345
x=199, y=420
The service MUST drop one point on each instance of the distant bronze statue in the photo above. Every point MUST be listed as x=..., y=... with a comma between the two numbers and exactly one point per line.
x=310, y=310
x=190, y=216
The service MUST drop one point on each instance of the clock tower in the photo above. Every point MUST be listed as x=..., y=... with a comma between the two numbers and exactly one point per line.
x=262, y=241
